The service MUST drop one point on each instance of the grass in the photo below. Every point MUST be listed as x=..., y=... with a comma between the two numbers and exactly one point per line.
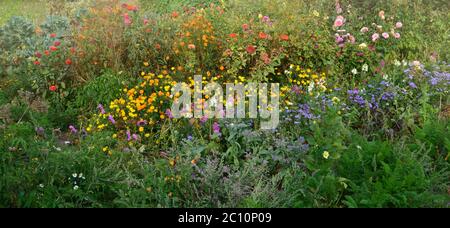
x=33, y=9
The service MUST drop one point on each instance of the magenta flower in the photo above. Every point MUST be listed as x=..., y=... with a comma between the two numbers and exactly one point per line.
x=385, y=35
x=216, y=128
x=397, y=35
x=398, y=25
x=72, y=129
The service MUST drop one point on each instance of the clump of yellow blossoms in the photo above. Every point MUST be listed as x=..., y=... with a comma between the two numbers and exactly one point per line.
x=302, y=81
x=138, y=109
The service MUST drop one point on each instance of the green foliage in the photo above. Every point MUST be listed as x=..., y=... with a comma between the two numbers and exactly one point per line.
x=369, y=129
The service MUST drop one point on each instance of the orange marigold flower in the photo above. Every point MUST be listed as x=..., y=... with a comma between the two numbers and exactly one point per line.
x=233, y=35
x=263, y=35
x=284, y=37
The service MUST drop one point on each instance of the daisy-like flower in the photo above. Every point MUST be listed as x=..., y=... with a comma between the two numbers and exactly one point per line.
x=326, y=154
x=365, y=67
x=354, y=71
x=375, y=37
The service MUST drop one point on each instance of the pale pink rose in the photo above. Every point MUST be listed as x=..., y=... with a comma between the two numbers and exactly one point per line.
x=339, y=21
x=191, y=46
x=126, y=19
x=385, y=35
x=375, y=37
x=364, y=29
x=381, y=14
x=397, y=35
x=398, y=25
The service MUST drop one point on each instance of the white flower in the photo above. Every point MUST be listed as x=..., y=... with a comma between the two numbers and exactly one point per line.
x=365, y=67
x=385, y=76
x=359, y=147
x=405, y=63
x=354, y=71
x=80, y=175
x=41, y=185
x=75, y=175
x=310, y=87
x=362, y=45
x=397, y=63
x=75, y=187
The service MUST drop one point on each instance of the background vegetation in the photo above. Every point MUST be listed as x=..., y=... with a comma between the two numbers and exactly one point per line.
x=85, y=87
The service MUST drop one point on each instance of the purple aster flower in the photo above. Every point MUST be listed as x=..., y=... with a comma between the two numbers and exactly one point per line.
x=387, y=96
x=128, y=135
x=412, y=85
x=101, y=109
x=169, y=114
x=135, y=137
x=111, y=119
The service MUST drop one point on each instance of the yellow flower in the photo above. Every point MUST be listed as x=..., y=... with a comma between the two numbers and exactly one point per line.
x=114, y=136
x=105, y=149
x=172, y=162
x=335, y=100
x=146, y=64
x=141, y=129
x=315, y=13
x=326, y=154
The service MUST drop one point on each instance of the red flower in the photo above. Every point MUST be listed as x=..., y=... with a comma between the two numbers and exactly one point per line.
x=53, y=48
x=37, y=63
x=68, y=62
x=57, y=43
x=284, y=37
x=38, y=54
x=233, y=35
x=46, y=52
x=132, y=8
x=175, y=14
x=53, y=88
x=72, y=50
x=251, y=49
x=245, y=27
x=263, y=35
x=53, y=35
